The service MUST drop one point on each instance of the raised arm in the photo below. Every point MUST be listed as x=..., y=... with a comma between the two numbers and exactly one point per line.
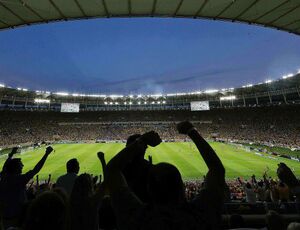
x=211, y=197
x=208, y=154
x=286, y=175
x=41, y=163
x=103, y=163
x=10, y=156
x=125, y=202
x=130, y=152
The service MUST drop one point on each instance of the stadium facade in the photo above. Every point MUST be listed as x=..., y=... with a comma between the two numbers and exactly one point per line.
x=279, y=92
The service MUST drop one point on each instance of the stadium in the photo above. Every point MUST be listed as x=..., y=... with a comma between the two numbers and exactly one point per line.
x=252, y=129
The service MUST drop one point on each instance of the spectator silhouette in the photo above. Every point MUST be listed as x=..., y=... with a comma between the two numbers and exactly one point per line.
x=274, y=221
x=13, y=188
x=85, y=202
x=168, y=208
x=48, y=212
x=66, y=181
x=136, y=172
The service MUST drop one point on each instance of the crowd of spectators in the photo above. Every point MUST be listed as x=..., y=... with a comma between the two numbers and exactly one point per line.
x=133, y=193
x=267, y=125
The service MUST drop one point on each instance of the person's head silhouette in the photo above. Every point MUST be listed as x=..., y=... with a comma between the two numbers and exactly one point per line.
x=73, y=166
x=14, y=166
x=165, y=184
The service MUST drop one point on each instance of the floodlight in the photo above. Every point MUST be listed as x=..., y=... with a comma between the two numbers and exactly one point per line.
x=38, y=100
x=62, y=93
x=228, y=98
x=211, y=91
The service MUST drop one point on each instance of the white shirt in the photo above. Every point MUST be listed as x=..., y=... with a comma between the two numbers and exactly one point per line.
x=250, y=195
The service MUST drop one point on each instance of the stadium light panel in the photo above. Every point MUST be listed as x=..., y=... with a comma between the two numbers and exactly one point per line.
x=156, y=95
x=105, y=103
x=19, y=88
x=247, y=86
x=39, y=101
x=228, y=98
x=96, y=95
x=153, y=102
x=164, y=102
x=62, y=94
x=211, y=91
x=125, y=103
x=113, y=96
x=145, y=102
x=110, y=103
x=116, y=103
x=130, y=103
x=139, y=103
x=158, y=102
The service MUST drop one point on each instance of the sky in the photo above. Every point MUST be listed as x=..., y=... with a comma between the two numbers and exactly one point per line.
x=144, y=55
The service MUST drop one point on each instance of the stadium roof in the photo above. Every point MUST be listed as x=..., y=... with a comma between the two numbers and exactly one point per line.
x=279, y=14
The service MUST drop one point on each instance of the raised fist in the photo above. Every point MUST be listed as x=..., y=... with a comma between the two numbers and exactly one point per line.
x=49, y=150
x=100, y=155
x=151, y=138
x=286, y=175
x=13, y=151
x=184, y=127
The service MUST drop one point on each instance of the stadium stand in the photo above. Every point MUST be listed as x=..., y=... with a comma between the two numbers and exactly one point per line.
x=266, y=125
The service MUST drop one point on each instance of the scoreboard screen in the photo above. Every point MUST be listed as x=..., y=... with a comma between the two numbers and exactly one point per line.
x=199, y=105
x=69, y=108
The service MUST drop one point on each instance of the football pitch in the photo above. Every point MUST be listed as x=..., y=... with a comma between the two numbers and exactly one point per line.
x=238, y=161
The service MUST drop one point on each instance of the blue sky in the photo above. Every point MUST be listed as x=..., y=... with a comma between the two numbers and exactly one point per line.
x=144, y=55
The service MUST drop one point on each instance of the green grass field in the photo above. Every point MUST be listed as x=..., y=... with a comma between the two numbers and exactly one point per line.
x=237, y=160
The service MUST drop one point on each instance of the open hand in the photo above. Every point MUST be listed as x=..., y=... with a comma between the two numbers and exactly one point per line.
x=151, y=138
x=184, y=127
